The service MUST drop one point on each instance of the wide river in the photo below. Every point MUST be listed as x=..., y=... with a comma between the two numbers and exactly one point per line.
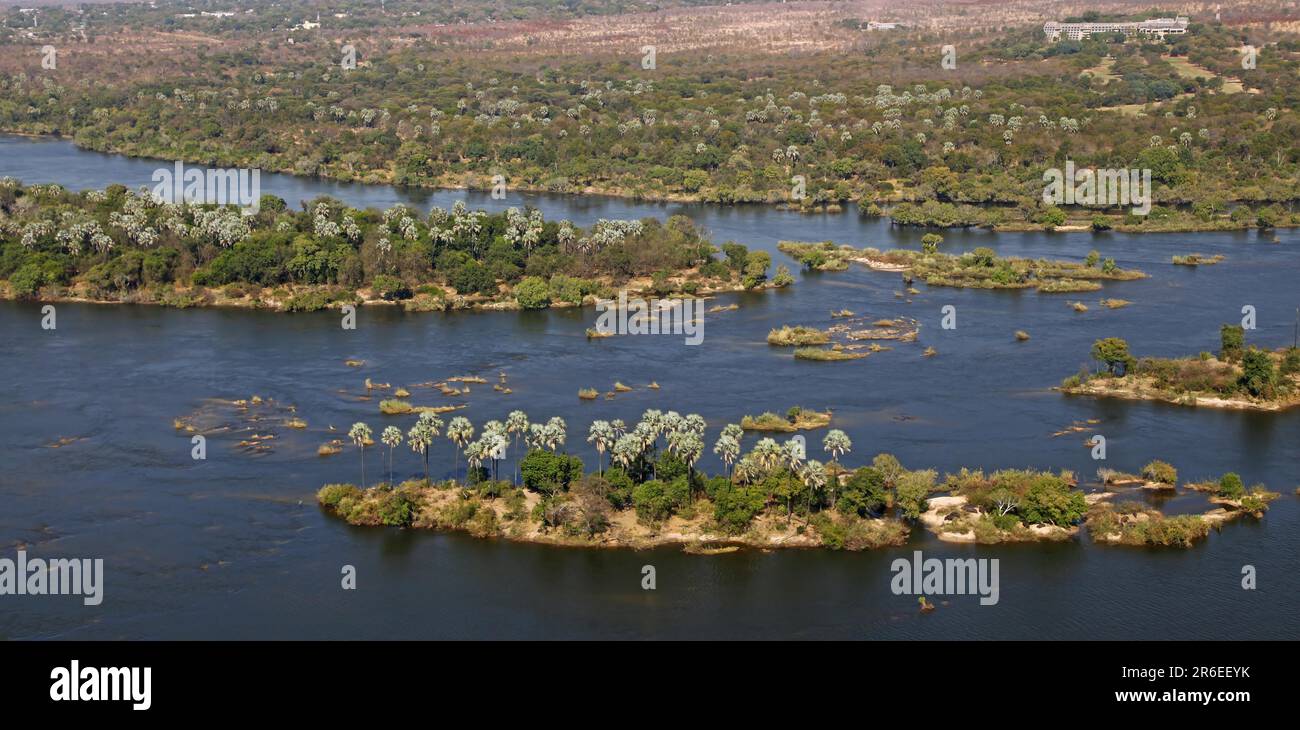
x=235, y=546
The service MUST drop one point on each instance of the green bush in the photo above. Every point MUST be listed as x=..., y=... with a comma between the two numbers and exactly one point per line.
x=331, y=495
x=548, y=473
x=396, y=509
x=533, y=293
x=1230, y=486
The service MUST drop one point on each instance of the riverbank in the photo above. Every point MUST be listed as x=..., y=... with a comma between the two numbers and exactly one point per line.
x=519, y=515
x=990, y=215
x=309, y=298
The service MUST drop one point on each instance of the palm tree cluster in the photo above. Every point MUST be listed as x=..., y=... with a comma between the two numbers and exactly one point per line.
x=634, y=449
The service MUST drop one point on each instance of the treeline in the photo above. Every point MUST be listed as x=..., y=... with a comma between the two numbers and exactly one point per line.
x=116, y=243
x=734, y=129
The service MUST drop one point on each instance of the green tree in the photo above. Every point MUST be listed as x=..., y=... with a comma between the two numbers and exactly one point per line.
x=1258, y=374
x=1113, y=352
x=1232, y=340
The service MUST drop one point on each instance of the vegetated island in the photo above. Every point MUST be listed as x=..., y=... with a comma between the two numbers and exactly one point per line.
x=119, y=245
x=850, y=338
x=1247, y=378
x=1022, y=505
x=977, y=269
x=647, y=492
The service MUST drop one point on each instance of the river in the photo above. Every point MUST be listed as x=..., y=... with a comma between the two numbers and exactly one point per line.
x=235, y=547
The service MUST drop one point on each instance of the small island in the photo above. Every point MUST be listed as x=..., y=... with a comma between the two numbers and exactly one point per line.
x=977, y=269
x=1241, y=377
x=647, y=492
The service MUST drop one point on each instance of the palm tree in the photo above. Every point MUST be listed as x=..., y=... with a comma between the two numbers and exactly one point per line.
x=619, y=427
x=694, y=422
x=793, y=454
x=814, y=478
x=602, y=435
x=767, y=453
x=474, y=452
x=420, y=439
x=748, y=470
x=652, y=423
x=836, y=444
x=555, y=433
x=494, y=439
x=626, y=450
x=734, y=431
x=517, y=425
x=392, y=438
x=459, y=431
x=689, y=448
x=360, y=434
x=728, y=448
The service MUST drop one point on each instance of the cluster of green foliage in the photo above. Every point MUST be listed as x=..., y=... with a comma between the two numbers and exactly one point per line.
x=118, y=243
x=982, y=268
x=1239, y=369
x=1022, y=496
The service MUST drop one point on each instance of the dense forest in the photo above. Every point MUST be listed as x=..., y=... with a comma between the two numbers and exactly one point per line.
x=882, y=125
x=122, y=245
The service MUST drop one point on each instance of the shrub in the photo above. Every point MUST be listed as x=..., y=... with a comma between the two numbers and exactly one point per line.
x=735, y=506
x=1160, y=472
x=396, y=509
x=1232, y=340
x=331, y=495
x=390, y=288
x=547, y=472
x=1230, y=486
x=864, y=493
x=533, y=293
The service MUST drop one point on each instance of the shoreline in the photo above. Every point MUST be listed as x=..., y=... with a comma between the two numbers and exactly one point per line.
x=1192, y=400
x=215, y=298
x=622, y=193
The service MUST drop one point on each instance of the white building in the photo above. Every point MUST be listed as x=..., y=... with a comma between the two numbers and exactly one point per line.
x=1156, y=27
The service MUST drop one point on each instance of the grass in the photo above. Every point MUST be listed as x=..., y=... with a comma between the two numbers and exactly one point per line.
x=798, y=419
x=825, y=354
x=1022, y=336
x=983, y=269
x=823, y=256
x=588, y=394
x=1115, y=303
x=797, y=336
x=1196, y=259
x=1079, y=306
x=1133, y=526
x=394, y=407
